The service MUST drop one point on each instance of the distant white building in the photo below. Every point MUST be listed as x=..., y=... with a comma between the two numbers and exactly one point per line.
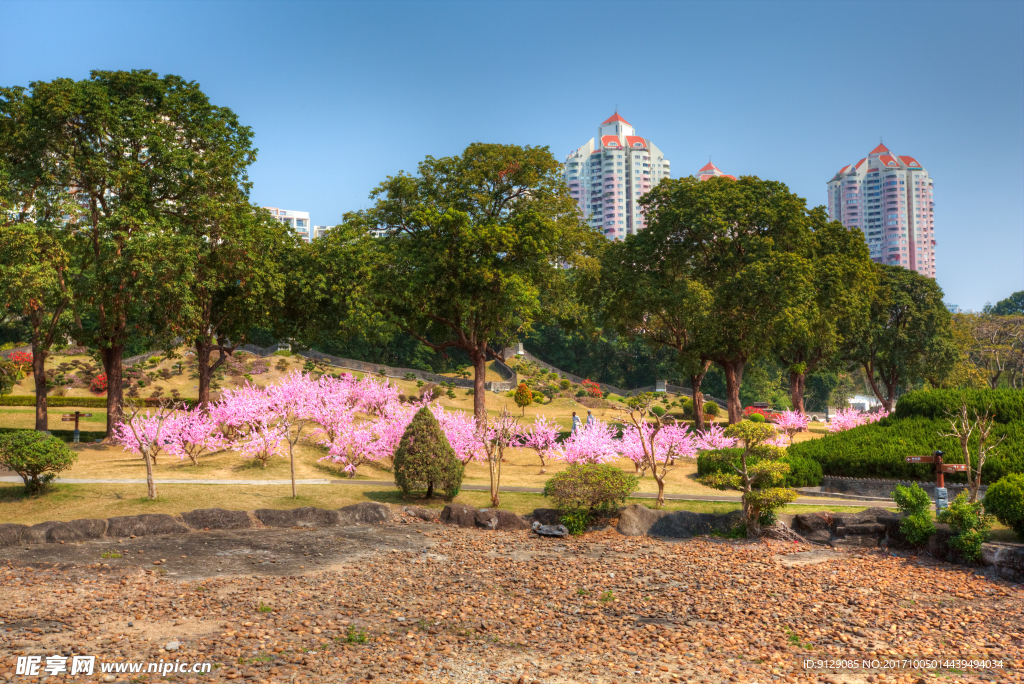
x=296, y=220
x=610, y=173
x=320, y=231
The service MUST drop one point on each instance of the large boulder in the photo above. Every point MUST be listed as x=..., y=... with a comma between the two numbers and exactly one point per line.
x=365, y=513
x=427, y=514
x=143, y=525
x=217, y=519
x=808, y=523
x=459, y=514
x=76, y=530
x=498, y=519
x=547, y=516
x=638, y=520
x=1007, y=559
x=307, y=516
x=11, y=534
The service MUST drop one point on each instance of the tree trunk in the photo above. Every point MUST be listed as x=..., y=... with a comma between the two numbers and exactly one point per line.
x=150, y=482
x=698, y=397
x=39, y=373
x=291, y=460
x=796, y=391
x=479, y=393
x=661, y=487
x=115, y=387
x=430, y=490
x=203, y=350
x=733, y=379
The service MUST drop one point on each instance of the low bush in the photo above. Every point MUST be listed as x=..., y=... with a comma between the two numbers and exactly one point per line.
x=687, y=406
x=35, y=456
x=594, y=488
x=969, y=524
x=658, y=411
x=99, y=384
x=756, y=418
x=564, y=384
x=879, y=450
x=803, y=472
x=1005, y=500
x=425, y=460
x=1007, y=405
x=917, y=523
x=711, y=408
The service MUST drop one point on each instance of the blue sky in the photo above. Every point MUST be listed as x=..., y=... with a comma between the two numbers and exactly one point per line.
x=341, y=94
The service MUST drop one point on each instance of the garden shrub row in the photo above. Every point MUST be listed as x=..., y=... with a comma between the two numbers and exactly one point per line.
x=85, y=402
x=65, y=435
x=1007, y=405
x=879, y=450
x=803, y=472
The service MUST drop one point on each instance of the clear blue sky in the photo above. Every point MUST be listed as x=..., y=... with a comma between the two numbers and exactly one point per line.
x=341, y=94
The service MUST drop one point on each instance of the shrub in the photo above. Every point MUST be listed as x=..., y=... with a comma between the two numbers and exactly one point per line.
x=1007, y=405
x=425, y=460
x=711, y=408
x=576, y=521
x=581, y=393
x=1005, y=500
x=564, y=384
x=99, y=384
x=969, y=524
x=36, y=457
x=687, y=405
x=592, y=388
x=523, y=396
x=879, y=450
x=756, y=417
x=592, y=487
x=22, y=359
x=913, y=503
x=283, y=352
x=658, y=411
x=803, y=472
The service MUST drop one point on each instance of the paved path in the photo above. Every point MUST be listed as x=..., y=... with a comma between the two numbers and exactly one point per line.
x=727, y=498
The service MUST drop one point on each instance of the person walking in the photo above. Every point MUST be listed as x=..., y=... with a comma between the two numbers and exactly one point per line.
x=575, y=423
x=590, y=419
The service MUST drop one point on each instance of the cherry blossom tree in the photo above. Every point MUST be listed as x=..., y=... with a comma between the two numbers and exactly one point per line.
x=590, y=444
x=144, y=435
x=791, y=422
x=713, y=439
x=652, y=443
x=190, y=433
x=500, y=434
x=542, y=437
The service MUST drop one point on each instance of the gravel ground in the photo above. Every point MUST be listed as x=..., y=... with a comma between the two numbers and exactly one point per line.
x=419, y=602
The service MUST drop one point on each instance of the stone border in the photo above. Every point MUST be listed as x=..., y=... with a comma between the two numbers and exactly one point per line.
x=203, y=519
x=883, y=489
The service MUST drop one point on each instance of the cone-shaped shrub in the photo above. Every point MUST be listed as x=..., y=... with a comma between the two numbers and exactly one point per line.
x=425, y=459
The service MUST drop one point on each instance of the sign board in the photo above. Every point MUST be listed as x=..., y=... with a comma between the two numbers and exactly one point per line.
x=954, y=467
x=920, y=459
x=71, y=416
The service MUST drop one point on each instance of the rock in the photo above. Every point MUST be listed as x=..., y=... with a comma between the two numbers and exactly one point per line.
x=366, y=513
x=76, y=530
x=806, y=523
x=547, y=516
x=858, y=541
x=145, y=524
x=37, y=533
x=427, y=514
x=217, y=519
x=172, y=646
x=11, y=534
x=861, y=528
x=550, y=530
x=938, y=543
x=638, y=520
x=804, y=558
x=499, y=519
x=307, y=516
x=459, y=514
x=819, y=536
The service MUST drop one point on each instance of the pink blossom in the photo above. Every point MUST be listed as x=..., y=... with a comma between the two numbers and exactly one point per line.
x=714, y=438
x=791, y=422
x=589, y=444
x=151, y=431
x=190, y=432
x=665, y=445
x=542, y=437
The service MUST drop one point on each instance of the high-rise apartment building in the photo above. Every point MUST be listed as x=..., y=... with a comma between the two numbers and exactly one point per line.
x=296, y=220
x=890, y=199
x=610, y=173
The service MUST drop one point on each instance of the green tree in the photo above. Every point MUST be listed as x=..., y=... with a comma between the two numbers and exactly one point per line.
x=35, y=277
x=236, y=263
x=748, y=243
x=425, y=460
x=841, y=285
x=36, y=457
x=1012, y=305
x=648, y=292
x=469, y=248
x=523, y=396
x=138, y=151
x=907, y=337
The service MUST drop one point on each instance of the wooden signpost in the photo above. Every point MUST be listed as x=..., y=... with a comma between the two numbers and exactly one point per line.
x=67, y=417
x=940, y=468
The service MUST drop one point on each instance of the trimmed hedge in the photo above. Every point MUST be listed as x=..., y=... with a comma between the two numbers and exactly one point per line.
x=1006, y=404
x=879, y=450
x=803, y=472
x=86, y=402
x=66, y=435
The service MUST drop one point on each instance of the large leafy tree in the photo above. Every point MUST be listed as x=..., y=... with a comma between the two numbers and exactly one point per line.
x=35, y=276
x=841, y=283
x=994, y=345
x=1012, y=305
x=471, y=246
x=907, y=338
x=139, y=151
x=236, y=260
x=646, y=291
x=747, y=243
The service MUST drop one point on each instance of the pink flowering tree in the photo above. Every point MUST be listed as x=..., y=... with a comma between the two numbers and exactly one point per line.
x=144, y=434
x=652, y=443
x=850, y=418
x=462, y=432
x=192, y=432
x=791, y=422
x=262, y=441
x=502, y=433
x=589, y=444
x=542, y=437
x=713, y=439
